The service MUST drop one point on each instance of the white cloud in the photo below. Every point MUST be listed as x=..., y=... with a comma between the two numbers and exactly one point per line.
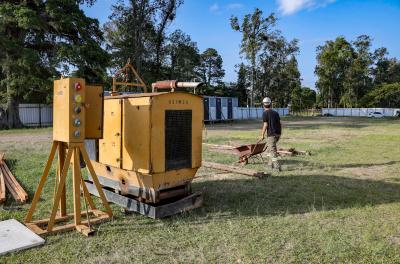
x=214, y=7
x=234, y=6
x=288, y=7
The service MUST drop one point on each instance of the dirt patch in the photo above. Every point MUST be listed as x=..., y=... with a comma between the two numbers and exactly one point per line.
x=394, y=240
x=365, y=172
x=21, y=138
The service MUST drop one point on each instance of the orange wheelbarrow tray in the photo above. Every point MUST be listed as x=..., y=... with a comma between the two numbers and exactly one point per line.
x=248, y=151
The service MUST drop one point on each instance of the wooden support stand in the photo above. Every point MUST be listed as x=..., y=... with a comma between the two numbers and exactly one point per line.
x=47, y=226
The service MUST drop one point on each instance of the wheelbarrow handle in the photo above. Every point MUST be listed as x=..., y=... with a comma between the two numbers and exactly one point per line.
x=260, y=140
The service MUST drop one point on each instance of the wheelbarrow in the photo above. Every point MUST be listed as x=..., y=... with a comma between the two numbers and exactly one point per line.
x=246, y=152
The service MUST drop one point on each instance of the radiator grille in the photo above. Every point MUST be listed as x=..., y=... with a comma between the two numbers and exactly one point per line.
x=178, y=139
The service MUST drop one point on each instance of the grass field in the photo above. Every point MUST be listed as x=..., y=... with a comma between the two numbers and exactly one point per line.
x=341, y=204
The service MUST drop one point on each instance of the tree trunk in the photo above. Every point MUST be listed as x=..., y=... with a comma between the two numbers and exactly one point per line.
x=253, y=80
x=3, y=119
x=12, y=113
x=160, y=37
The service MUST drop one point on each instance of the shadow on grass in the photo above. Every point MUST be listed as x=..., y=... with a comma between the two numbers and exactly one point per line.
x=294, y=163
x=291, y=195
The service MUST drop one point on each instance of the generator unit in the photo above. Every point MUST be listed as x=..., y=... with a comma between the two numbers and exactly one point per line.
x=150, y=151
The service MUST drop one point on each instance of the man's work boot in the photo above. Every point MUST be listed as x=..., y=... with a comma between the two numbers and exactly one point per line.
x=276, y=166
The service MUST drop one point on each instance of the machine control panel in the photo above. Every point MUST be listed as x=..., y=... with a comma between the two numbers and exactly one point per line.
x=77, y=110
x=69, y=110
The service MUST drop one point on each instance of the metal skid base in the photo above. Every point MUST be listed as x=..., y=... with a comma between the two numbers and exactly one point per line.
x=184, y=204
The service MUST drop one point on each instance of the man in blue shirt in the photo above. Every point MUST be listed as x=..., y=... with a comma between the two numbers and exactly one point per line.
x=272, y=125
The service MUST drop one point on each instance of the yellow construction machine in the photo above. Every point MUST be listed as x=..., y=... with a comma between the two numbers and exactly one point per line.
x=151, y=148
x=142, y=151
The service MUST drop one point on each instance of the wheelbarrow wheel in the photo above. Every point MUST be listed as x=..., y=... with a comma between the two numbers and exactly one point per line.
x=243, y=160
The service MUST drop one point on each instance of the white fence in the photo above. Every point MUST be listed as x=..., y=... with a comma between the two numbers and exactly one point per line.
x=36, y=115
x=358, y=111
x=244, y=113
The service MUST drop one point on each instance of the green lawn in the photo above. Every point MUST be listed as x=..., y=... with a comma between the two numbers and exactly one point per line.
x=341, y=204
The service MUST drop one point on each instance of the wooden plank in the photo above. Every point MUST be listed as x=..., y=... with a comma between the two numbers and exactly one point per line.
x=65, y=218
x=10, y=185
x=285, y=153
x=18, y=188
x=60, y=162
x=76, y=183
x=234, y=169
x=42, y=181
x=226, y=147
x=85, y=230
x=292, y=152
x=67, y=227
x=2, y=187
x=36, y=229
x=61, y=187
x=2, y=182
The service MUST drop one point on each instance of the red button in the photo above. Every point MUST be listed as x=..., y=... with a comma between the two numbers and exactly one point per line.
x=78, y=86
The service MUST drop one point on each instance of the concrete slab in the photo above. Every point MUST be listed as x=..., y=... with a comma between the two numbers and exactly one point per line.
x=15, y=236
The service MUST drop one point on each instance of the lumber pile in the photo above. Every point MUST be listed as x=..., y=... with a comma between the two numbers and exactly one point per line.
x=292, y=152
x=9, y=182
x=234, y=169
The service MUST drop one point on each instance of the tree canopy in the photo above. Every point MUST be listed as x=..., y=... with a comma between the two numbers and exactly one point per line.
x=40, y=40
x=273, y=70
x=348, y=71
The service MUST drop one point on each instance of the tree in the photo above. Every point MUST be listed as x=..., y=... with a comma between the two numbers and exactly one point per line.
x=210, y=69
x=309, y=97
x=385, y=70
x=136, y=30
x=348, y=71
x=38, y=40
x=303, y=98
x=242, y=84
x=358, y=81
x=279, y=70
x=385, y=95
x=333, y=61
x=288, y=79
x=256, y=30
x=296, y=99
x=166, y=14
x=182, y=57
x=129, y=34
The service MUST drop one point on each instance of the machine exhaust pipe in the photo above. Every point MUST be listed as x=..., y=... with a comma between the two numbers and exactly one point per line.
x=174, y=84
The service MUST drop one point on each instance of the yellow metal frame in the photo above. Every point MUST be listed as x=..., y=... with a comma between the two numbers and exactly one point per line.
x=128, y=66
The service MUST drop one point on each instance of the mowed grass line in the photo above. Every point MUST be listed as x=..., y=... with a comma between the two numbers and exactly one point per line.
x=341, y=204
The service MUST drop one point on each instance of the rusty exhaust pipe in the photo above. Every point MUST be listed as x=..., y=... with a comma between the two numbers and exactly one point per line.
x=174, y=84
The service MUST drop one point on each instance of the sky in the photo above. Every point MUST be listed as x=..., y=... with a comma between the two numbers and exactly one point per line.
x=312, y=22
